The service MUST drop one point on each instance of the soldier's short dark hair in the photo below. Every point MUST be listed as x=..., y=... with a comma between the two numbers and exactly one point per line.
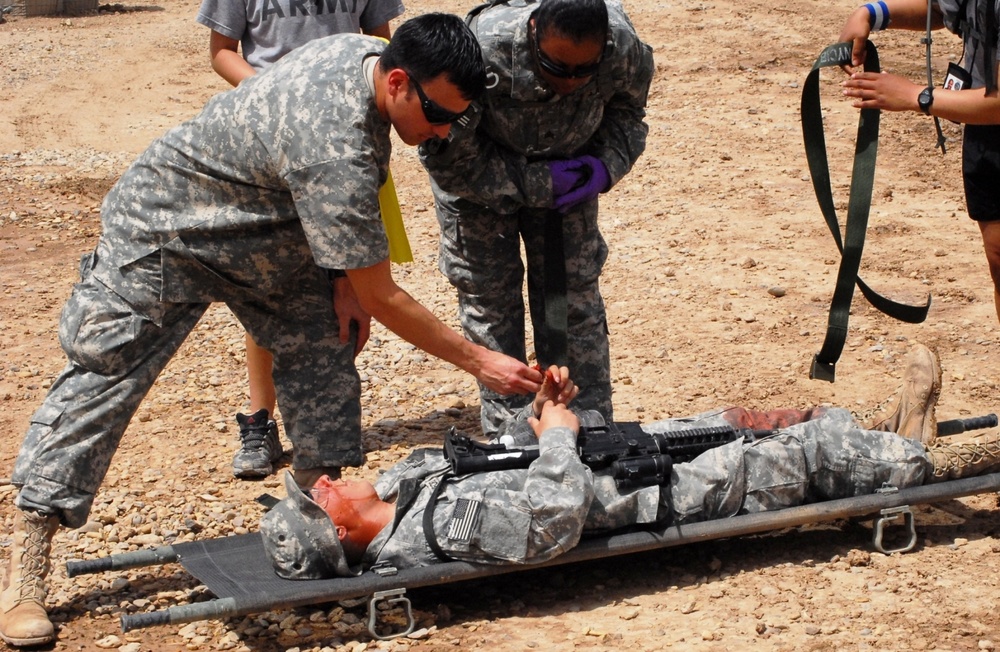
x=578, y=20
x=435, y=44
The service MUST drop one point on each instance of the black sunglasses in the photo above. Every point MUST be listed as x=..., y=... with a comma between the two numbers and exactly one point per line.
x=557, y=69
x=435, y=114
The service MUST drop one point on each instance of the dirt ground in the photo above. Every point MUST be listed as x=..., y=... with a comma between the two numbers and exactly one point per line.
x=716, y=216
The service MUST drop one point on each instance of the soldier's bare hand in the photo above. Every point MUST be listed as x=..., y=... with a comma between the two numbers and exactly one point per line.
x=554, y=415
x=856, y=31
x=505, y=375
x=348, y=310
x=557, y=387
x=882, y=90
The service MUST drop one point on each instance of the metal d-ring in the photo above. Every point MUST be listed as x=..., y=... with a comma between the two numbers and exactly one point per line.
x=391, y=597
x=892, y=514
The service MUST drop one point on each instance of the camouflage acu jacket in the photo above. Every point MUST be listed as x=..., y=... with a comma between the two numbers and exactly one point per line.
x=280, y=172
x=515, y=516
x=497, y=157
x=499, y=517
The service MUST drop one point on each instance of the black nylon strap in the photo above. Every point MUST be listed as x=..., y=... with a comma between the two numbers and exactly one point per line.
x=556, y=320
x=859, y=204
x=428, y=521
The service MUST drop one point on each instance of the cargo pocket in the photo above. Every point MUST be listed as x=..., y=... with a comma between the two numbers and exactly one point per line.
x=47, y=415
x=862, y=476
x=776, y=475
x=99, y=330
x=502, y=531
x=452, y=260
x=87, y=262
x=41, y=424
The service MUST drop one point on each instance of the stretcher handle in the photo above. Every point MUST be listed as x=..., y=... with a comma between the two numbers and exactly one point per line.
x=958, y=426
x=187, y=613
x=124, y=561
x=138, y=621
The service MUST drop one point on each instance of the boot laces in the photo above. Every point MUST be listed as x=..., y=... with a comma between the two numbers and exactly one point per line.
x=33, y=562
x=957, y=456
x=254, y=437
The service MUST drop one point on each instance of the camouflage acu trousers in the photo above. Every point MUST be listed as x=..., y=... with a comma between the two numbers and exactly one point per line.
x=480, y=254
x=117, y=348
x=824, y=459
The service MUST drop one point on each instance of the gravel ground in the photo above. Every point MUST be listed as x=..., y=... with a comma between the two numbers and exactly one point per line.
x=717, y=286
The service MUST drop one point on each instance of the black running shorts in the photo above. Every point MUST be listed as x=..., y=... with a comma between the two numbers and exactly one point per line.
x=981, y=171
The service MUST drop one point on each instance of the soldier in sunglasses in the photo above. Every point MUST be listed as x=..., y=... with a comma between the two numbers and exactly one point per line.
x=267, y=201
x=561, y=122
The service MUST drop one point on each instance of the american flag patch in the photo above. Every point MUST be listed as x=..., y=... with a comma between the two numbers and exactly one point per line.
x=463, y=519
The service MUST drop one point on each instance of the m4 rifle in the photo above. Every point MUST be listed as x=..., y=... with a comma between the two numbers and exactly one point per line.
x=633, y=456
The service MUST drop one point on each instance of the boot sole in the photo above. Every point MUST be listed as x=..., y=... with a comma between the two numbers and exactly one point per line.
x=254, y=472
x=251, y=473
x=27, y=642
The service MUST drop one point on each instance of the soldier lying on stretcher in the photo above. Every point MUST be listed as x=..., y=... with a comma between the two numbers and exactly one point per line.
x=524, y=516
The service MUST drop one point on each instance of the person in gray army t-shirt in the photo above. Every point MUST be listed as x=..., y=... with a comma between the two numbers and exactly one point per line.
x=267, y=30
x=524, y=516
x=563, y=120
x=253, y=202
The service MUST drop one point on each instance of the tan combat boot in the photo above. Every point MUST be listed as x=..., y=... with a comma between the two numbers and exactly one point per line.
x=23, y=620
x=914, y=414
x=954, y=461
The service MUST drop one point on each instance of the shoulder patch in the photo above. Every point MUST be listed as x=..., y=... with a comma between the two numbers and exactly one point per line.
x=463, y=519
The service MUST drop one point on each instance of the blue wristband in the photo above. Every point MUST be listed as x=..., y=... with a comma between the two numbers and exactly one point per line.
x=878, y=15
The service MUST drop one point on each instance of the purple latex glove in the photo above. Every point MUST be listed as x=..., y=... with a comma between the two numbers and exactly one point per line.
x=566, y=174
x=595, y=181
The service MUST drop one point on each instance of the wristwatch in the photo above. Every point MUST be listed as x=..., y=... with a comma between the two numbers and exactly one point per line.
x=926, y=99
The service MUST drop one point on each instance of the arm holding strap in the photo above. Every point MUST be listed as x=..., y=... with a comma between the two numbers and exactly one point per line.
x=859, y=205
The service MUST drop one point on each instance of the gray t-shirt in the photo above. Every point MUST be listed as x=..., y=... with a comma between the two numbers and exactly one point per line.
x=270, y=29
x=968, y=19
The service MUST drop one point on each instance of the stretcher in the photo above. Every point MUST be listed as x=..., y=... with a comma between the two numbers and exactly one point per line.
x=237, y=572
